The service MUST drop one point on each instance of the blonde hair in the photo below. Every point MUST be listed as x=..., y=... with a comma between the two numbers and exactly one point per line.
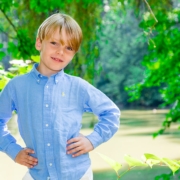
x=61, y=21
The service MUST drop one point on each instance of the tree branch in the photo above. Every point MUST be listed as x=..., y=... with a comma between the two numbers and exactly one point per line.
x=7, y=34
x=10, y=22
x=151, y=11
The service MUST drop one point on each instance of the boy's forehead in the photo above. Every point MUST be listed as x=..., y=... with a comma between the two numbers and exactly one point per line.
x=58, y=35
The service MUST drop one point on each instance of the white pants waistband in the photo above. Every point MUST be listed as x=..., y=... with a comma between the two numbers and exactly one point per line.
x=87, y=176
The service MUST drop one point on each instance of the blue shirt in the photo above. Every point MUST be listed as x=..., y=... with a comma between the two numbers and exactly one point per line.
x=50, y=113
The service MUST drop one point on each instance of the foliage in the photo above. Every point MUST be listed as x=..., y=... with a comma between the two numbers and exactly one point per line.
x=162, y=63
x=122, y=45
x=166, y=176
x=148, y=160
x=18, y=67
x=3, y=78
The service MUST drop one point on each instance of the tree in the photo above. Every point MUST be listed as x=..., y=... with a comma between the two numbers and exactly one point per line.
x=162, y=63
x=122, y=46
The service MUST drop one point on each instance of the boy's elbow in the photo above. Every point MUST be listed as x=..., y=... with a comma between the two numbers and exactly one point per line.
x=117, y=114
x=117, y=120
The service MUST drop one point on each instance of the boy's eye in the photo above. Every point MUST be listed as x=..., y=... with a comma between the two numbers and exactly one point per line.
x=54, y=43
x=69, y=48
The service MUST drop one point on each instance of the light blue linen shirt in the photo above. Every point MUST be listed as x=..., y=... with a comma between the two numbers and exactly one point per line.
x=50, y=113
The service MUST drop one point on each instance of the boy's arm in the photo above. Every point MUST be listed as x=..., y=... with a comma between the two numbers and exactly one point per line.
x=108, y=115
x=107, y=112
x=7, y=141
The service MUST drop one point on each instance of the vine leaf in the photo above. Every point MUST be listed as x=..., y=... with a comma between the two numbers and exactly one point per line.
x=173, y=165
x=35, y=58
x=177, y=161
x=2, y=54
x=114, y=164
x=133, y=161
x=3, y=82
x=151, y=159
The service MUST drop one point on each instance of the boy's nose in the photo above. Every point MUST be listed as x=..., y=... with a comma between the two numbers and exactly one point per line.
x=60, y=51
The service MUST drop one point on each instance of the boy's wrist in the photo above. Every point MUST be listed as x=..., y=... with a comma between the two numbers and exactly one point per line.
x=95, y=139
x=13, y=150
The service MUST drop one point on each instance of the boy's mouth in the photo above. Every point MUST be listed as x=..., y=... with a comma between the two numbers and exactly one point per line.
x=57, y=59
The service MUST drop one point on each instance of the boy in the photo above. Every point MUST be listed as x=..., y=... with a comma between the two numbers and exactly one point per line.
x=50, y=104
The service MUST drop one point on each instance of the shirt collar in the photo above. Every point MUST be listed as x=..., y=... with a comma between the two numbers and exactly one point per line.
x=39, y=76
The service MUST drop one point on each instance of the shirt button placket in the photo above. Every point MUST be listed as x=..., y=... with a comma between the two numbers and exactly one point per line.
x=47, y=131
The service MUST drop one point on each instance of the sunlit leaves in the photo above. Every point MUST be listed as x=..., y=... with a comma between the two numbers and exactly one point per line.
x=3, y=82
x=35, y=58
x=151, y=159
x=163, y=63
x=148, y=160
x=114, y=164
x=173, y=165
x=4, y=77
x=133, y=162
x=154, y=66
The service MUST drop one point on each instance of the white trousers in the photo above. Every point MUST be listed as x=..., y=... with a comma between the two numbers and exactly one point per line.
x=87, y=176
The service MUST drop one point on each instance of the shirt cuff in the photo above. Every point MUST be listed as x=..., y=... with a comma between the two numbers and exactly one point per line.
x=95, y=139
x=13, y=150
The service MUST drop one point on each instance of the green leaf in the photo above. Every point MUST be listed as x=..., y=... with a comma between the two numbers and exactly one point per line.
x=161, y=131
x=178, y=162
x=173, y=165
x=35, y=58
x=133, y=161
x=151, y=159
x=23, y=70
x=3, y=82
x=2, y=54
x=114, y=164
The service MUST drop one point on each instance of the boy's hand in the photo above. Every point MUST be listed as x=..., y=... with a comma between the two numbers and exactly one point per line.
x=25, y=159
x=79, y=145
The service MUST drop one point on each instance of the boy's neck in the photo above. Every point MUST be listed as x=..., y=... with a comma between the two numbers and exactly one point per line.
x=46, y=72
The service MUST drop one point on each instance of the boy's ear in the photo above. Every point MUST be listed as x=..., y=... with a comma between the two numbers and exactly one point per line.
x=38, y=44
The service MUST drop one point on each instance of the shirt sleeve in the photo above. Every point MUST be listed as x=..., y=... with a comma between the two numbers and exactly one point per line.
x=7, y=141
x=107, y=112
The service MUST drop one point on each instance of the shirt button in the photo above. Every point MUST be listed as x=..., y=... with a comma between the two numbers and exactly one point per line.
x=47, y=125
x=56, y=81
x=47, y=105
x=47, y=86
x=48, y=144
x=48, y=178
x=50, y=164
x=37, y=80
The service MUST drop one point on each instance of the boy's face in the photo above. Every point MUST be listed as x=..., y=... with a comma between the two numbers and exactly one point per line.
x=54, y=55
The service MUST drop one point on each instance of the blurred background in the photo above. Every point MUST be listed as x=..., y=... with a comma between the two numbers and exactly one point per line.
x=130, y=51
